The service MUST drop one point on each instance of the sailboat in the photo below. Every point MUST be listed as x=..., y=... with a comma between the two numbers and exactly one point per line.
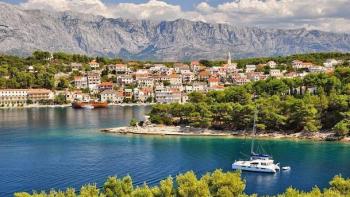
x=257, y=162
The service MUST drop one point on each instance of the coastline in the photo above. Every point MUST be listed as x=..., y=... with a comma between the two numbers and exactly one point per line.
x=37, y=106
x=69, y=105
x=162, y=130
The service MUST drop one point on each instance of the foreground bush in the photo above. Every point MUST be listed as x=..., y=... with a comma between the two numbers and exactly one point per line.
x=216, y=184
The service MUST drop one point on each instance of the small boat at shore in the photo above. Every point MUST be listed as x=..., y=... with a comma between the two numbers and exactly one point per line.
x=89, y=105
x=286, y=168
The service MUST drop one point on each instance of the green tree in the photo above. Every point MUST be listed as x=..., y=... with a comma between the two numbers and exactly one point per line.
x=338, y=183
x=190, y=186
x=60, y=99
x=224, y=184
x=143, y=191
x=133, y=122
x=41, y=55
x=62, y=84
x=90, y=190
x=302, y=116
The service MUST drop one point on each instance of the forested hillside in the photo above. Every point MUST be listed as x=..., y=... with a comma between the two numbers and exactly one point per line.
x=317, y=102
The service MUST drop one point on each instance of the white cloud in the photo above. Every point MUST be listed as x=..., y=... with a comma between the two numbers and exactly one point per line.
x=328, y=15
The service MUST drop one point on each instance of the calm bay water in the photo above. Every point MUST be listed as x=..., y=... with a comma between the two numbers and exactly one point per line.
x=57, y=148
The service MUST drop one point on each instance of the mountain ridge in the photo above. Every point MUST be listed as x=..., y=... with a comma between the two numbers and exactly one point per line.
x=24, y=31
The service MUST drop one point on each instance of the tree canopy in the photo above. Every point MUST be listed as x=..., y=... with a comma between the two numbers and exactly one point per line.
x=212, y=184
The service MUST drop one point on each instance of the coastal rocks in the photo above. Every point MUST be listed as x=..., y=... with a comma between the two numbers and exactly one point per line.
x=166, y=130
x=162, y=130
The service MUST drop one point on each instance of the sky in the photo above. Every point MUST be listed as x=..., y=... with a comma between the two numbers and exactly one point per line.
x=326, y=15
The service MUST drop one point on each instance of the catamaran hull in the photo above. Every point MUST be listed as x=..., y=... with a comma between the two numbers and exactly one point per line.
x=253, y=169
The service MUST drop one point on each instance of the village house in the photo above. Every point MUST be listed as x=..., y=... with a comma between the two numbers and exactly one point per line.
x=184, y=98
x=128, y=94
x=105, y=86
x=240, y=79
x=168, y=95
x=271, y=64
x=118, y=68
x=109, y=96
x=250, y=68
x=203, y=75
x=180, y=67
x=80, y=82
x=331, y=63
x=212, y=82
x=39, y=95
x=160, y=78
x=145, y=82
x=93, y=79
x=119, y=97
x=317, y=69
x=13, y=97
x=296, y=64
x=175, y=79
x=199, y=86
x=231, y=68
x=94, y=65
x=76, y=66
x=188, y=88
x=142, y=72
x=176, y=86
x=275, y=73
x=30, y=69
x=195, y=66
x=256, y=76
x=76, y=96
x=125, y=79
x=291, y=75
x=158, y=68
x=141, y=95
x=188, y=78
x=215, y=88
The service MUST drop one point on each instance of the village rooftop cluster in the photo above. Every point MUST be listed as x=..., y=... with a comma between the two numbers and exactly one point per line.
x=155, y=83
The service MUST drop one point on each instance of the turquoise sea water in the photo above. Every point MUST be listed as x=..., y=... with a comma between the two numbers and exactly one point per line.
x=57, y=148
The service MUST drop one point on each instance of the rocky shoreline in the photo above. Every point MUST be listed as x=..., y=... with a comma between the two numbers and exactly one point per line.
x=161, y=130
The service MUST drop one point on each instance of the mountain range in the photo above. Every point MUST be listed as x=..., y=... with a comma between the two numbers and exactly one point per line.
x=24, y=31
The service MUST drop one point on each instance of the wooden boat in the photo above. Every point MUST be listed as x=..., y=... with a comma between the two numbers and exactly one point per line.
x=94, y=104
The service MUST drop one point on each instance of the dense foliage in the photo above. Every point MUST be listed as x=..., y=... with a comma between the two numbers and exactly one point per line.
x=316, y=102
x=216, y=184
x=316, y=58
x=15, y=71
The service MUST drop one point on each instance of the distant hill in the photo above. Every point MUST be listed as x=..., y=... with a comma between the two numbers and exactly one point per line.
x=24, y=31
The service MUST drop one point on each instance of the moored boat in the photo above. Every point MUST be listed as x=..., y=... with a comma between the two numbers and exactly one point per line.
x=91, y=104
x=257, y=162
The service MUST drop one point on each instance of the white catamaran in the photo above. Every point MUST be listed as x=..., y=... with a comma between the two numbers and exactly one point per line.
x=257, y=162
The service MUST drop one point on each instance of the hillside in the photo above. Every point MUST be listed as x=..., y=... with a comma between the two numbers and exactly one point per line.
x=24, y=31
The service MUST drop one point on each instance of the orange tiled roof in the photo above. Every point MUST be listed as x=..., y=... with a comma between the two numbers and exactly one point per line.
x=195, y=63
x=204, y=73
x=106, y=84
x=212, y=79
x=39, y=91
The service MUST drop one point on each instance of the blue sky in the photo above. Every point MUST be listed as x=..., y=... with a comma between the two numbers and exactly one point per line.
x=326, y=15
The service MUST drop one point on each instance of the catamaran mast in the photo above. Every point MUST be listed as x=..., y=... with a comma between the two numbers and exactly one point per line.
x=254, y=131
